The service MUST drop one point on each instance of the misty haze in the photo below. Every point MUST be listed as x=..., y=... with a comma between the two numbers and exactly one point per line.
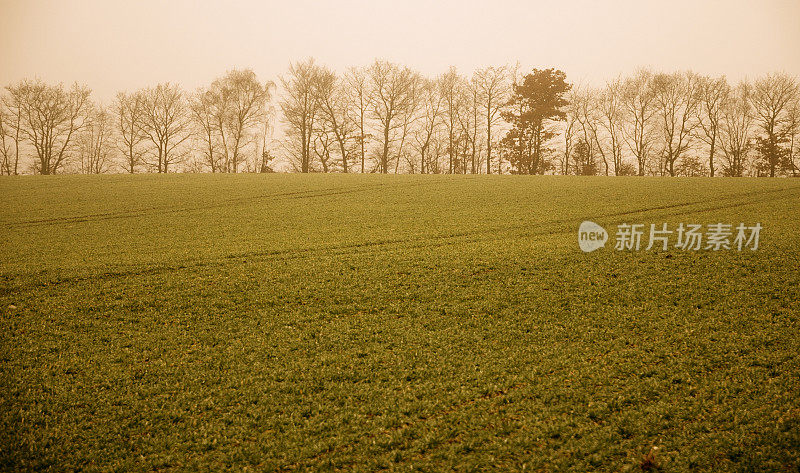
x=434, y=236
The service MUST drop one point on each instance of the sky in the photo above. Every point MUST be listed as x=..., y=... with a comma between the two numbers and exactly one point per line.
x=115, y=45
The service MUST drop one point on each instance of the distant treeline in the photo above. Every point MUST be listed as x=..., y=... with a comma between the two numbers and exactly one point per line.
x=388, y=118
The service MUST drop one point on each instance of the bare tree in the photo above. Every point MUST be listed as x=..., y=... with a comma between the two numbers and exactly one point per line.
x=393, y=102
x=300, y=109
x=470, y=122
x=335, y=113
x=609, y=108
x=264, y=157
x=586, y=107
x=430, y=123
x=95, y=142
x=166, y=122
x=237, y=104
x=10, y=132
x=409, y=117
x=713, y=95
x=51, y=119
x=772, y=98
x=202, y=105
x=7, y=152
x=735, y=129
x=129, y=110
x=322, y=143
x=450, y=85
x=793, y=136
x=639, y=110
x=677, y=97
x=494, y=87
x=361, y=98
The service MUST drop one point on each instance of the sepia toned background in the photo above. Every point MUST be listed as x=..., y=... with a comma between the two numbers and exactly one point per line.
x=114, y=45
x=616, y=88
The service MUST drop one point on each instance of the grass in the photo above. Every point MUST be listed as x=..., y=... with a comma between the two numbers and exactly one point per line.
x=289, y=322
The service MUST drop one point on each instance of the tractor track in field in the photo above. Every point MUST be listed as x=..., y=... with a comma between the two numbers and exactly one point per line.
x=306, y=194
x=167, y=209
x=554, y=227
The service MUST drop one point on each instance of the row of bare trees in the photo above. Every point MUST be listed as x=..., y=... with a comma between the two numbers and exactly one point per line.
x=219, y=128
x=388, y=118
x=684, y=124
x=46, y=118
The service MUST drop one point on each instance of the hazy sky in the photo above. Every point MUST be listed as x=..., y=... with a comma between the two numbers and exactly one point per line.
x=112, y=45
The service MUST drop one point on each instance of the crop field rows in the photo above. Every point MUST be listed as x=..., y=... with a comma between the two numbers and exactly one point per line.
x=287, y=322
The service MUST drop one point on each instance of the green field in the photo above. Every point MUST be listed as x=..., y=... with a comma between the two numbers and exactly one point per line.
x=305, y=322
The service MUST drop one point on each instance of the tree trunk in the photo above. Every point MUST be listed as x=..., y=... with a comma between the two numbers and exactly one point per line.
x=489, y=139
